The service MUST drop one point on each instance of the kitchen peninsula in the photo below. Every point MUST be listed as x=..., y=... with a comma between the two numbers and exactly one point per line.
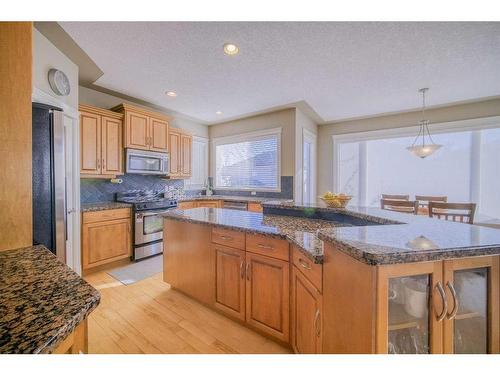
x=359, y=280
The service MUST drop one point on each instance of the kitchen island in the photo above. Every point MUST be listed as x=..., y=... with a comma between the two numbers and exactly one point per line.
x=335, y=281
x=43, y=304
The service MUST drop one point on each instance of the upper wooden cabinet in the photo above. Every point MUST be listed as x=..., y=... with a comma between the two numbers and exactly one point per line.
x=100, y=142
x=181, y=148
x=144, y=130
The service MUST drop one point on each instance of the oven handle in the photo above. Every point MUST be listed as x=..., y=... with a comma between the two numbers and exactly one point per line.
x=152, y=213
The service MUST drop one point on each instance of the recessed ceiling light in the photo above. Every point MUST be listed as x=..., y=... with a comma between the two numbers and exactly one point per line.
x=231, y=49
x=172, y=93
x=218, y=113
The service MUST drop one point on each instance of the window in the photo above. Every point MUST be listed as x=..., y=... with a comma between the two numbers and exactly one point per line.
x=248, y=162
x=465, y=169
x=199, y=164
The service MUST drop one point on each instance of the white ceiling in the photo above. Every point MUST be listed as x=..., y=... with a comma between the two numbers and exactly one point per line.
x=341, y=70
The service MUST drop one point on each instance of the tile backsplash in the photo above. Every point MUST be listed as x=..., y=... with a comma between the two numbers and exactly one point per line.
x=285, y=193
x=94, y=190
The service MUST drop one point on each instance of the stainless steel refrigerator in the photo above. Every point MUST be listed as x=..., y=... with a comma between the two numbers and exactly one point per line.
x=49, y=179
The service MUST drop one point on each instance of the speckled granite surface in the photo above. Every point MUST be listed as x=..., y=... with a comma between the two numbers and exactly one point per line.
x=41, y=300
x=299, y=231
x=404, y=238
x=100, y=206
x=396, y=237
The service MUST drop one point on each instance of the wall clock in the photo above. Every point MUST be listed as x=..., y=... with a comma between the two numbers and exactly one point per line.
x=59, y=82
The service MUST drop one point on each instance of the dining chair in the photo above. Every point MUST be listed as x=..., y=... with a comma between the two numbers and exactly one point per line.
x=396, y=197
x=462, y=212
x=410, y=207
x=423, y=202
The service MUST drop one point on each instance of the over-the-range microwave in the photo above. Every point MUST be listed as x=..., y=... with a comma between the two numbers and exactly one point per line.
x=146, y=162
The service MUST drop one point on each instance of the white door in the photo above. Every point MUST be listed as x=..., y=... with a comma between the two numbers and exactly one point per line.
x=308, y=167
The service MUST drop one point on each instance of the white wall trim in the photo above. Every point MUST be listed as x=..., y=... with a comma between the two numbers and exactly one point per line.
x=40, y=96
x=313, y=138
x=205, y=141
x=249, y=136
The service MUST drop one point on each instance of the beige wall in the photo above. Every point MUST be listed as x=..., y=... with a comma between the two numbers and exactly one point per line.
x=284, y=119
x=45, y=57
x=467, y=111
x=103, y=100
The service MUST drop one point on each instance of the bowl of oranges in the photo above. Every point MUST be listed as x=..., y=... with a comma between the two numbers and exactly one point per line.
x=335, y=200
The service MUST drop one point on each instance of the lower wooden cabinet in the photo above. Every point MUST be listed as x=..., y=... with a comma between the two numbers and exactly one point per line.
x=253, y=289
x=306, y=311
x=254, y=207
x=230, y=281
x=209, y=204
x=186, y=205
x=105, y=237
x=267, y=295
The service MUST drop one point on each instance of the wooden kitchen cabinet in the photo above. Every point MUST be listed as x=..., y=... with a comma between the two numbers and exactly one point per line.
x=180, y=145
x=100, y=142
x=230, y=281
x=105, y=237
x=445, y=306
x=267, y=308
x=209, y=204
x=254, y=207
x=144, y=129
x=472, y=323
x=306, y=315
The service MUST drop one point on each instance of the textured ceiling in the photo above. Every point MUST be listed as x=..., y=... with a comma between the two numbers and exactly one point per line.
x=341, y=70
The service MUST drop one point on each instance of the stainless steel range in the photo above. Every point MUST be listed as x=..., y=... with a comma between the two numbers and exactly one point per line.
x=148, y=222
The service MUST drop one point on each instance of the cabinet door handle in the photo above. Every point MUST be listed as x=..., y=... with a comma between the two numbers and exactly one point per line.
x=317, y=324
x=248, y=271
x=453, y=313
x=103, y=164
x=242, y=269
x=304, y=264
x=442, y=294
x=267, y=247
x=98, y=163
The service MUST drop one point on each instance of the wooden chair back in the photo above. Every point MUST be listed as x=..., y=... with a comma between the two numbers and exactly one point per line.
x=396, y=197
x=462, y=212
x=425, y=199
x=405, y=206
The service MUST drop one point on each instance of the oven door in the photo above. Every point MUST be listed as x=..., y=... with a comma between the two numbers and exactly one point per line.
x=146, y=162
x=148, y=226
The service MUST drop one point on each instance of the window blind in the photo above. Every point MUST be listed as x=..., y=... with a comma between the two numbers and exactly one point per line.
x=249, y=164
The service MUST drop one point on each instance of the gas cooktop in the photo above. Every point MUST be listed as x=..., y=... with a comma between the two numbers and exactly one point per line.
x=146, y=200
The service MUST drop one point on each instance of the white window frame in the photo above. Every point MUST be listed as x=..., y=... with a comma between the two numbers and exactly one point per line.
x=312, y=138
x=193, y=186
x=435, y=128
x=247, y=137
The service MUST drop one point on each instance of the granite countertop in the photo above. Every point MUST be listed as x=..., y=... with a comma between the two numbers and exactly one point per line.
x=298, y=231
x=232, y=198
x=101, y=206
x=371, y=235
x=41, y=300
x=403, y=238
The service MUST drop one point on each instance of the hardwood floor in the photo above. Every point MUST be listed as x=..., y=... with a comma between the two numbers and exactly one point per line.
x=149, y=317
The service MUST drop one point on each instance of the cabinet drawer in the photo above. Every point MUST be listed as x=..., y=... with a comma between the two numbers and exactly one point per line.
x=186, y=205
x=312, y=271
x=268, y=246
x=95, y=216
x=228, y=237
x=254, y=207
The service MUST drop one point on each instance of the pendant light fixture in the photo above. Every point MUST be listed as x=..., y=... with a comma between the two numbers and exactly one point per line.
x=420, y=147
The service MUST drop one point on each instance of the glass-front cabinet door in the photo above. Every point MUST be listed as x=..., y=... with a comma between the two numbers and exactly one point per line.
x=411, y=306
x=472, y=321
